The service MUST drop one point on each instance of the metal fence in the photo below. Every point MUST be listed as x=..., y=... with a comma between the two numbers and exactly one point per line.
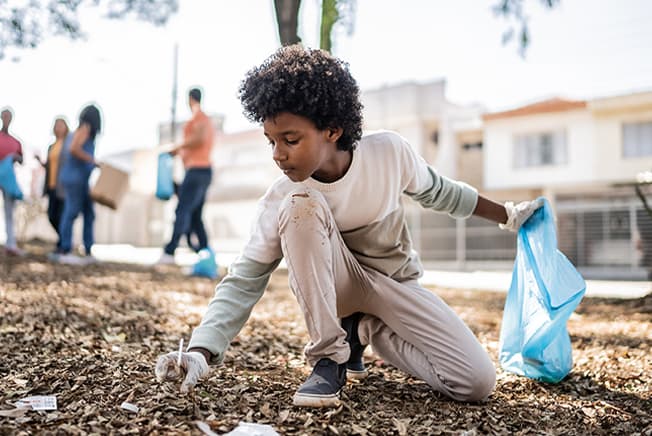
x=442, y=241
x=605, y=238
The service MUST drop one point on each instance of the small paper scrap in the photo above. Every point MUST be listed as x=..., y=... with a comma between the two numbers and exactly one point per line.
x=38, y=402
x=130, y=407
x=252, y=429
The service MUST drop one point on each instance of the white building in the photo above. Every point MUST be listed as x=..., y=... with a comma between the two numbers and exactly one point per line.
x=584, y=157
x=449, y=136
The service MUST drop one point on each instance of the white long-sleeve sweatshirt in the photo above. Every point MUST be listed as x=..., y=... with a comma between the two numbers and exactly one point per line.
x=366, y=206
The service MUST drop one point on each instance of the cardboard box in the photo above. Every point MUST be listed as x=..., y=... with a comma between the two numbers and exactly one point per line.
x=111, y=186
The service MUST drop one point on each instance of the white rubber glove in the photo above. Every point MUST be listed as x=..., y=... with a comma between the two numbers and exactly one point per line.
x=518, y=214
x=192, y=363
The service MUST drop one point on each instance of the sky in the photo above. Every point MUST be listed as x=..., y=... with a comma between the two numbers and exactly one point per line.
x=580, y=49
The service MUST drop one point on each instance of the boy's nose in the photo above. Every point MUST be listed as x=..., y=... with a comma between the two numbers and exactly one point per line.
x=277, y=154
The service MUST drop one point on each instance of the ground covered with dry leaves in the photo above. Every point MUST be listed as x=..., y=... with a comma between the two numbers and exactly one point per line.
x=90, y=336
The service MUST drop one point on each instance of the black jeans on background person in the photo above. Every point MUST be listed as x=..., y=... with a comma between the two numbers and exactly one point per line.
x=55, y=209
x=192, y=240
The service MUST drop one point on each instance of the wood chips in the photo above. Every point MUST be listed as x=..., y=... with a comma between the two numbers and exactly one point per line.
x=90, y=336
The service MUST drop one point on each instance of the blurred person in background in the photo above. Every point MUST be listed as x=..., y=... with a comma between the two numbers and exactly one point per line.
x=51, y=165
x=9, y=146
x=77, y=160
x=195, y=152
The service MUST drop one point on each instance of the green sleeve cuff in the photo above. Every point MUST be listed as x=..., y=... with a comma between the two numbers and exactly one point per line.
x=453, y=197
x=212, y=340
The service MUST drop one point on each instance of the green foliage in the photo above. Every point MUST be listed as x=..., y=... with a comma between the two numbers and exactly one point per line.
x=24, y=24
x=514, y=11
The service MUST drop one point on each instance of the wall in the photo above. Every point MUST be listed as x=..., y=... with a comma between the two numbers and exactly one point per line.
x=499, y=171
x=610, y=165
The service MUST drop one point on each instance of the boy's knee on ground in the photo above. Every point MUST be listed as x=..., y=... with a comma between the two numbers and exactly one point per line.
x=478, y=385
x=483, y=384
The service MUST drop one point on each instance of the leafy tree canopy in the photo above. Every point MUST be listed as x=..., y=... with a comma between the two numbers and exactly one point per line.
x=26, y=23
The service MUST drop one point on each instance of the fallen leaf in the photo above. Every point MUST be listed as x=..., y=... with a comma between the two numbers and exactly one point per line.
x=15, y=413
x=283, y=416
x=401, y=426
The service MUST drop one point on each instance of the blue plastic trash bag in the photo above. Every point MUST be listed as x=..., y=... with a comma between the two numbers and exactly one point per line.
x=8, y=181
x=206, y=266
x=164, y=180
x=545, y=290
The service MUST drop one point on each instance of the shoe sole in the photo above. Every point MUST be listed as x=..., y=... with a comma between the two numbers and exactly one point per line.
x=304, y=400
x=356, y=375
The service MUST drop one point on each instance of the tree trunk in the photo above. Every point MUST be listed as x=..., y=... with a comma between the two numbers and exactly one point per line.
x=329, y=16
x=287, y=19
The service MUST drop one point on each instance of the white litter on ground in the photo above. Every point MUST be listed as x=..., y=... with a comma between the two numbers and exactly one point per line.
x=38, y=402
x=251, y=429
x=129, y=407
x=205, y=428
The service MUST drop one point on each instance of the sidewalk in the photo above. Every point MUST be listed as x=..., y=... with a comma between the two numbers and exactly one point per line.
x=477, y=280
x=500, y=281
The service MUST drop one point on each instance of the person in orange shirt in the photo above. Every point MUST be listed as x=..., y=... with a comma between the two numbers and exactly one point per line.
x=51, y=165
x=195, y=152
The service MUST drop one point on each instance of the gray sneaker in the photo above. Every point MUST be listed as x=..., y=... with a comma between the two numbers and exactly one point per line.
x=70, y=259
x=166, y=259
x=322, y=387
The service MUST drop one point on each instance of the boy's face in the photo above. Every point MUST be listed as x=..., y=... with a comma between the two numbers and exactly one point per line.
x=300, y=149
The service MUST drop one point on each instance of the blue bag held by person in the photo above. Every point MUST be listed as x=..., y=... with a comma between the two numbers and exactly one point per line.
x=164, y=181
x=206, y=266
x=8, y=181
x=546, y=288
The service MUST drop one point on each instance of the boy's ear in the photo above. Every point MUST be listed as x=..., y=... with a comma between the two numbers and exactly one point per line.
x=334, y=133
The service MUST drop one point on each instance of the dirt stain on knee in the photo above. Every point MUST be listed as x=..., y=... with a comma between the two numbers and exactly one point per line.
x=304, y=212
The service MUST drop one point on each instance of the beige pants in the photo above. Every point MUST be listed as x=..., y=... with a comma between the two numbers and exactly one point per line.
x=406, y=325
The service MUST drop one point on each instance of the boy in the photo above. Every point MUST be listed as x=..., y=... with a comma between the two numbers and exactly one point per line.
x=337, y=218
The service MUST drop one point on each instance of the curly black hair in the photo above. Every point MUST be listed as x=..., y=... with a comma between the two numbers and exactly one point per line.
x=91, y=116
x=306, y=82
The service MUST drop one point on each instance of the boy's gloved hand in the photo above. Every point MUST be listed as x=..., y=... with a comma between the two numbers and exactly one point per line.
x=519, y=213
x=192, y=363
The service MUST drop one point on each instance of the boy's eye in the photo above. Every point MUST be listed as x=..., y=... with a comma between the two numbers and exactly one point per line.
x=292, y=142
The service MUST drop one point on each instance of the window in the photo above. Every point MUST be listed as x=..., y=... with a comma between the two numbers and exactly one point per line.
x=539, y=149
x=472, y=146
x=434, y=137
x=637, y=139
